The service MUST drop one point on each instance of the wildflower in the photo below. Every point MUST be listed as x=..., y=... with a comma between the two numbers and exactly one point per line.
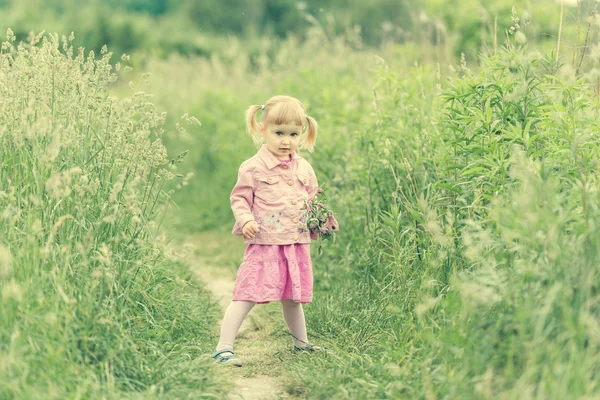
x=319, y=218
x=515, y=18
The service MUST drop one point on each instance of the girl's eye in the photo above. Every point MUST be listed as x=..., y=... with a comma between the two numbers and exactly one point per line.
x=278, y=133
x=294, y=134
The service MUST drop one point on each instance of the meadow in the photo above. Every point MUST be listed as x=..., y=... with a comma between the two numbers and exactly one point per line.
x=466, y=191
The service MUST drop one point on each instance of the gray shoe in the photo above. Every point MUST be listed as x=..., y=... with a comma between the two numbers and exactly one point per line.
x=227, y=357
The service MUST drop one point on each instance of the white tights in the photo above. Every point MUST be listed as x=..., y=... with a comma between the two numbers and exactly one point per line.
x=237, y=311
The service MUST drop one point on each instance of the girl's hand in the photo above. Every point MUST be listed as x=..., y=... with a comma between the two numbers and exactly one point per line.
x=250, y=229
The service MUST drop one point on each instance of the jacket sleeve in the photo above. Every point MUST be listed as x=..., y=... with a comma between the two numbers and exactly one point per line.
x=242, y=199
x=314, y=183
x=313, y=190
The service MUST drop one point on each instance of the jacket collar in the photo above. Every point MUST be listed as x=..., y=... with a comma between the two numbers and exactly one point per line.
x=270, y=160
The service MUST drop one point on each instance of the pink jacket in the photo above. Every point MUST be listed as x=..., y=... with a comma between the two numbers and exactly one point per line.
x=273, y=193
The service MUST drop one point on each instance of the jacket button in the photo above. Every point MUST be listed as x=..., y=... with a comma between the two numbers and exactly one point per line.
x=295, y=220
x=290, y=183
x=269, y=180
x=296, y=237
x=305, y=181
x=294, y=202
x=284, y=166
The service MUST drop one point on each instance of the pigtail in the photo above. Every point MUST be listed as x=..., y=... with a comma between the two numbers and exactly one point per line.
x=311, y=133
x=251, y=124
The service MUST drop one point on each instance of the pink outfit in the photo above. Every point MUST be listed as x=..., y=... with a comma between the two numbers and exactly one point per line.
x=277, y=262
x=272, y=193
x=275, y=272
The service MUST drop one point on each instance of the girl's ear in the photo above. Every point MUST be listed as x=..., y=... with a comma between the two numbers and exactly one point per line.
x=262, y=128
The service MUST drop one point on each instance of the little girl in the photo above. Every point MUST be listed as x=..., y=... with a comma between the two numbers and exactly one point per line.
x=268, y=204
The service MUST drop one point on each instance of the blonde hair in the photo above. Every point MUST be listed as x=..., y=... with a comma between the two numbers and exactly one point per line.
x=283, y=110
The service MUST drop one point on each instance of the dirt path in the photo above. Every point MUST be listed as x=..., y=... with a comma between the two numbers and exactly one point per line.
x=263, y=342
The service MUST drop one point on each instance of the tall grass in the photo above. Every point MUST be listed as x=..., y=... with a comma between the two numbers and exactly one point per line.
x=467, y=262
x=475, y=268
x=91, y=305
x=466, y=265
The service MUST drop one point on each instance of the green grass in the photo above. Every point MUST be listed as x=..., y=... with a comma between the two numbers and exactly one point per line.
x=466, y=265
x=90, y=304
x=466, y=262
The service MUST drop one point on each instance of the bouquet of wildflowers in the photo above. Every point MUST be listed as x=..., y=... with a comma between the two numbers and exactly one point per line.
x=320, y=221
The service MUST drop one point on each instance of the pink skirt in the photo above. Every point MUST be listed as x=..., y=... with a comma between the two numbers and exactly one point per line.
x=275, y=272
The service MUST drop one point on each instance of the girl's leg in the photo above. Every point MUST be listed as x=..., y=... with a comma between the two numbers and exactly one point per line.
x=294, y=318
x=234, y=316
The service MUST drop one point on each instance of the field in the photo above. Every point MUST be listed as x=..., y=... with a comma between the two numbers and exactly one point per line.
x=462, y=168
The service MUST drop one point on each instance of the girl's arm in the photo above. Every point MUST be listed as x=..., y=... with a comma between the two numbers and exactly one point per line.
x=313, y=190
x=242, y=199
x=314, y=183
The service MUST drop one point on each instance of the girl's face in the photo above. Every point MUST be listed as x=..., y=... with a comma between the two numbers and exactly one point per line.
x=281, y=140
